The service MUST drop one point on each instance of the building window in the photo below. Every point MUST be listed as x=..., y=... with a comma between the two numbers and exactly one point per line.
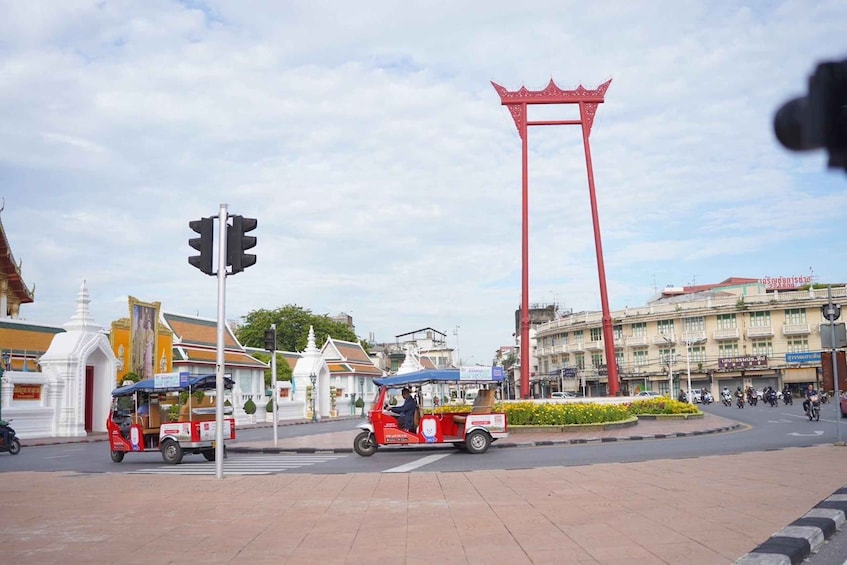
x=667, y=355
x=596, y=334
x=597, y=360
x=639, y=329
x=564, y=339
x=617, y=332
x=795, y=316
x=798, y=345
x=580, y=360
x=665, y=327
x=760, y=319
x=577, y=337
x=639, y=357
x=728, y=349
x=619, y=357
x=693, y=325
x=727, y=322
x=763, y=347
x=697, y=354
x=565, y=359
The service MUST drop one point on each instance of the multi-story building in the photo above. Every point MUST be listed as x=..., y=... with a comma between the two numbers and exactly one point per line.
x=735, y=333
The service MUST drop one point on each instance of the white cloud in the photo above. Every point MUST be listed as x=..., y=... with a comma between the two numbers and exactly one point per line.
x=383, y=170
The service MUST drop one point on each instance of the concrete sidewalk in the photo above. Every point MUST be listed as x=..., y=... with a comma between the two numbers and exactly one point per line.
x=702, y=510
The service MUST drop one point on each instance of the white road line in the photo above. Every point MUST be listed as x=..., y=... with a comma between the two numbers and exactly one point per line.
x=243, y=465
x=417, y=464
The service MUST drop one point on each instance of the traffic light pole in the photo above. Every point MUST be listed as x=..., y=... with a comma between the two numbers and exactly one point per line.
x=274, y=394
x=220, y=362
x=832, y=314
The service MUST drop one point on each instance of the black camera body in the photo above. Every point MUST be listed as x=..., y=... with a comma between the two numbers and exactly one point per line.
x=819, y=119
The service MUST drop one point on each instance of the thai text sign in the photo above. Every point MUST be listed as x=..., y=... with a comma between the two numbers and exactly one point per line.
x=742, y=362
x=804, y=357
x=785, y=283
x=26, y=392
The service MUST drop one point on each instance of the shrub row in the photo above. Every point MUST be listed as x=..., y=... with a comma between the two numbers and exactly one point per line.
x=561, y=414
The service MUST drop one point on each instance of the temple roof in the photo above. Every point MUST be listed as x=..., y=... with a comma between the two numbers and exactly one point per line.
x=11, y=271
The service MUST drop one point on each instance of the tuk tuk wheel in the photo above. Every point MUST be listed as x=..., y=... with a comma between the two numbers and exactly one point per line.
x=171, y=452
x=477, y=441
x=117, y=456
x=364, y=444
x=209, y=454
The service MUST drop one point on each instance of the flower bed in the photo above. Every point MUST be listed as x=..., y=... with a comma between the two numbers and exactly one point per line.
x=579, y=413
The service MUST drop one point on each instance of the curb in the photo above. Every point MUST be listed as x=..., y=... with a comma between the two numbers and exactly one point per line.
x=802, y=537
x=499, y=444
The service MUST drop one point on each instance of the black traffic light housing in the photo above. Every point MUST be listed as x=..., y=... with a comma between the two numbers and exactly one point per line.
x=270, y=339
x=237, y=243
x=206, y=228
x=819, y=119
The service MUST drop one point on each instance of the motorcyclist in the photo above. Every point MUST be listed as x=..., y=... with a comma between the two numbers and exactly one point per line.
x=739, y=393
x=725, y=391
x=810, y=392
x=5, y=433
x=681, y=396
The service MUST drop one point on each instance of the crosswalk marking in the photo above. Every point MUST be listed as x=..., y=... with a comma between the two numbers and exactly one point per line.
x=239, y=465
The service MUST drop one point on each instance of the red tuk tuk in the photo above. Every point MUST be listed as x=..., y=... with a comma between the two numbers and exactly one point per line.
x=473, y=432
x=151, y=414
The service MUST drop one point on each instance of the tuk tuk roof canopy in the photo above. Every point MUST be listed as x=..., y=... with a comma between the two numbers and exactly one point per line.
x=461, y=375
x=195, y=382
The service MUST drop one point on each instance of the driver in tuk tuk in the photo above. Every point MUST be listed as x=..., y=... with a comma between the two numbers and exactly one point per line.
x=406, y=411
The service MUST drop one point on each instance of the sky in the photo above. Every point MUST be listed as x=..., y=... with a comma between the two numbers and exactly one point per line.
x=385, y=175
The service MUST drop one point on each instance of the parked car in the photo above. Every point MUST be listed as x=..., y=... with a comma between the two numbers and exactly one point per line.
x=649, y=393
x=696, y=395
x=844, y=405
x=561, y=395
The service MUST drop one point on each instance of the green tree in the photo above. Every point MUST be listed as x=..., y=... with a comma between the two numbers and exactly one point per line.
x=292, y=328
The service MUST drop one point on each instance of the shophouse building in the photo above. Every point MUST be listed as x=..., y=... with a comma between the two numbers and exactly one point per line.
x=737, y=333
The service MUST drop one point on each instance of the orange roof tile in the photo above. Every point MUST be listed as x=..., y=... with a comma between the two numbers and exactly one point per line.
x=198, y=332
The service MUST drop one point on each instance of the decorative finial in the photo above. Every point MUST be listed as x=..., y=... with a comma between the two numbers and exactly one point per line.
x=81, y=319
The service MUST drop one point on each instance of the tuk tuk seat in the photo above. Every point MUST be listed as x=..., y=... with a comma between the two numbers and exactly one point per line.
x=482, y=404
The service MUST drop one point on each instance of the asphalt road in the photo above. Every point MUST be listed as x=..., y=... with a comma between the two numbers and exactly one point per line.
x=767, y=428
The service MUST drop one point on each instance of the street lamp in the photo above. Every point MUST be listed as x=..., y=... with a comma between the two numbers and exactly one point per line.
x=314, y=379
x=688, y=368
x=6, y=358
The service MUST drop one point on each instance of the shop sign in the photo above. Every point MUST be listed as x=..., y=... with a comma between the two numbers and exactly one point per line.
x=804, y=357
x=785, y=283
x=742, y=362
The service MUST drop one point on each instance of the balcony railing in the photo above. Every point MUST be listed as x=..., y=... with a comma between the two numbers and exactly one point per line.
x=694, y=337
x=664, y=339
x=596, y=345
x=760, y=331
x=796, y=329
x=561, y=348
x=636, y=340
x=578, y=346
x=729, y=333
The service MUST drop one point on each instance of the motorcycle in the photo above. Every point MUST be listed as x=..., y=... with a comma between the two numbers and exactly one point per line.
x=14, y=444
x=786, y=398
x=726, y=398
x=814, y=412
x=740, y=402
x=754, y=399
x=772, y=400
x=706, y=398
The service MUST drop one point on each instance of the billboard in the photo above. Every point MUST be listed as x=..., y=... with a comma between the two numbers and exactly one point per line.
x=143, y=326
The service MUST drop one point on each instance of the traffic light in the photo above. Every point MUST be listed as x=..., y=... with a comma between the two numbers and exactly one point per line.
x=237, y=243
x=270, y=339
x=206, y=228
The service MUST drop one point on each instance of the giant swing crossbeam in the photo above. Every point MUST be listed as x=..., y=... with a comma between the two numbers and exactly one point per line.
x=517, y=102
